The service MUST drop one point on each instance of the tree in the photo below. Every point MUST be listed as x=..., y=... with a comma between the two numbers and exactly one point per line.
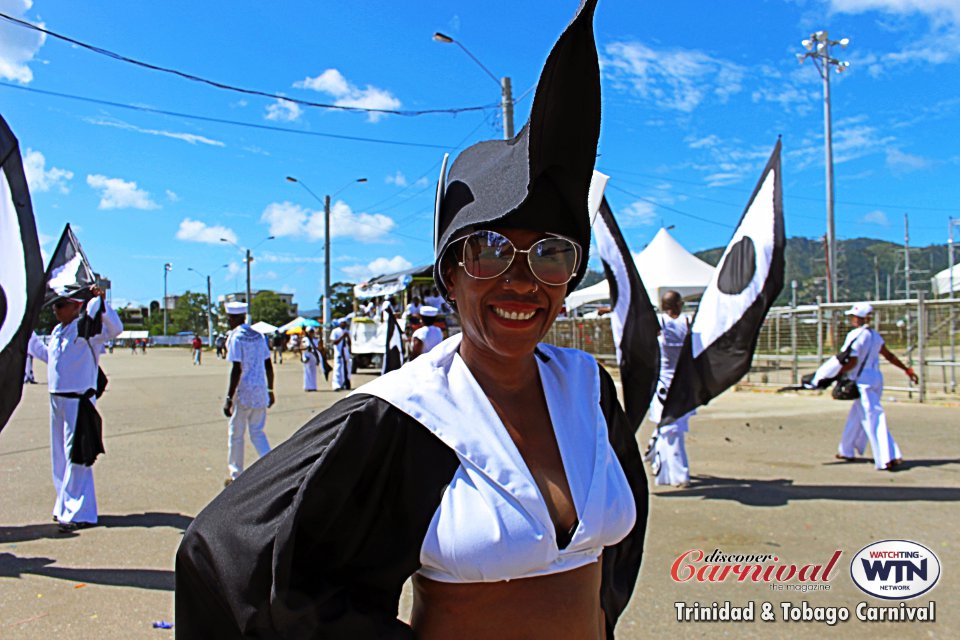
x=190, y=314
x=341, y=300
x=268, y=307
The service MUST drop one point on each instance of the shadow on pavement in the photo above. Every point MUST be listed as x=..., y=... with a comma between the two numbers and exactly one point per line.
x=148, y=520
x=24, y=533
x=780, y=492
x=12, y=566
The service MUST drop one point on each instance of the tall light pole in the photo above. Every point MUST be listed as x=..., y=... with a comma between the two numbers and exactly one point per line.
x=248, y=259
x=326, y=241
x=506, y=88
x=953, y=323
x=167, y=268
x=818, y=49
x=209, y=303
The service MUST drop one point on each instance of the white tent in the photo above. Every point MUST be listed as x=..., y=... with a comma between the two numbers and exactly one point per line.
x=664, y=264
x=263, y=327
x=941, y=281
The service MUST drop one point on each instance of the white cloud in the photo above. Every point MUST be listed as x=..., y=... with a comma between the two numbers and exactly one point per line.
x=283, y=111
x=876, y=217
x=346, y=94
x=679, y=79
x=288, y=219
x=190, y=138
x=120, y=194
x=197, y=231
x=281, y=258
x=171, y=196
x=398, y=179
x=377, y=267
x=41, y=179
x=900, y=162
x=639, y=212
x=233, y=270
x=18, y=45
x=939, y=45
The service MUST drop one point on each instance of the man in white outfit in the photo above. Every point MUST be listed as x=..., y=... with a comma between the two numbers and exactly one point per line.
x=72, y=357
x=670, y=464
x=340, y=340
x=310, y=356
x=251, y=388
x=428, y=336
x=867, y=420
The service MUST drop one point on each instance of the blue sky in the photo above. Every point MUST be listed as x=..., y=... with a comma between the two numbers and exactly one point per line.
x=695, y=93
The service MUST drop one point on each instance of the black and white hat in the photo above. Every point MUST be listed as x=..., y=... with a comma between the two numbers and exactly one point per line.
x=541, y=178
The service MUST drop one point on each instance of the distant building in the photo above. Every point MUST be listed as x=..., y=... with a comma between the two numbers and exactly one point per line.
x=134, y=317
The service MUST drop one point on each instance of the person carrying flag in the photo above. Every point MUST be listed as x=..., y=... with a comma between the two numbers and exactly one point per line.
x=72, y=355
x=340, y=339
x=669, y=453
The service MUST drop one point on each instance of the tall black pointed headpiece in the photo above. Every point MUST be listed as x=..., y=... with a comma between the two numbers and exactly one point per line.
x=541, y=178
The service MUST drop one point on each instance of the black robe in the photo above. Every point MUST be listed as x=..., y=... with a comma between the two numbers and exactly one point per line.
x=317, y=538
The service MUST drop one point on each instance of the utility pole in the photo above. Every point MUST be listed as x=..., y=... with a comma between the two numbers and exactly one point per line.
x=326, y=265
x=506, y=104
x=166, y=269
x=906, y=255
x=209, y=314
x=249, y=259
x=953, y=319
x=818, y=49
x=876, y=279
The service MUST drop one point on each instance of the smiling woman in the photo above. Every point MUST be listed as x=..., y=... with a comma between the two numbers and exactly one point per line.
x=499, y=472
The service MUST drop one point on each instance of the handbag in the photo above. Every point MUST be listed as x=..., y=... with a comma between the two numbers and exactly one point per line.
x=847, y=389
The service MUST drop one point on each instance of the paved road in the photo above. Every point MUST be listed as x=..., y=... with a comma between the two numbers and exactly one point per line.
x=765, y=482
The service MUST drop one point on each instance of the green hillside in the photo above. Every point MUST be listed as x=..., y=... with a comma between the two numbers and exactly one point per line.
x=856, y=273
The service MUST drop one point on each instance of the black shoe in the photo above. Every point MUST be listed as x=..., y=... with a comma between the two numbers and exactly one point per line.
x=70, y=527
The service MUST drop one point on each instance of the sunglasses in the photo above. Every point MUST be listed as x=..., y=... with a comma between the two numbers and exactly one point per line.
x=60, y=304
x=488, y=254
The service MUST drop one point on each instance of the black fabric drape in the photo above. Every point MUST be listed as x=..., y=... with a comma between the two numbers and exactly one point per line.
x=88, y=432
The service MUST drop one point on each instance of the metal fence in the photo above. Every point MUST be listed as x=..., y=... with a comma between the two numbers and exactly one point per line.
x=795, y=340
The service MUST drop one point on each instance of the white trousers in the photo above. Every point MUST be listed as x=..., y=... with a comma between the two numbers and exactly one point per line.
x=341, y=369
x=244, y=419
x=867, y=422
x=73, y=483
x=670, y=454
x=309, y=372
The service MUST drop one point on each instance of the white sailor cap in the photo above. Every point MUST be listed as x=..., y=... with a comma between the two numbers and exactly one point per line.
x=428, y=311
x=235, y=308
x=860, y=309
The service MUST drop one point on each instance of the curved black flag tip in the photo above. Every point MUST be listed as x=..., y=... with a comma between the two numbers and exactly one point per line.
x=21, y=272
x=393, y=346
x=69, y=274
x=749, y=277
x=633, y=319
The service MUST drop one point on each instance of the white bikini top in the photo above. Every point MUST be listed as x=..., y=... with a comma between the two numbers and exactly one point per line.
x=492, y=523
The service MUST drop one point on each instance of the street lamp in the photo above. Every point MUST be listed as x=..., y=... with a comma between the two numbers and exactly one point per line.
x=506, y=91
x=818, y=49
x=326, y=241
x=209, y=302
x=248, y=259
x=167, y=268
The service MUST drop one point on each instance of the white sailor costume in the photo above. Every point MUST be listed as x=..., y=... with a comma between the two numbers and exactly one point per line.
x=670, y=464
x=414, y=472
x=867, y=420
x=72, y=366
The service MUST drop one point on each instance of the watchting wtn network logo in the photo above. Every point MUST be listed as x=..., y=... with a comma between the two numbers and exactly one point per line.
x=895, y=569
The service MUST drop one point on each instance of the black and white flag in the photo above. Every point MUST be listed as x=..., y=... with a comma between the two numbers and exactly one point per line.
x=21, y=272
x=69, y=274
x=393, y=351
x=749, y=277
x=633, y=319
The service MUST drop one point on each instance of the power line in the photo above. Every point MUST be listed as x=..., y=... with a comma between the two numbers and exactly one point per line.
x=792, y=197
x=236, y=123
x=228, y=87
x=663, y=206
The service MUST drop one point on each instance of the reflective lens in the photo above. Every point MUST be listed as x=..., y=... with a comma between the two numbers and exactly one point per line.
x=488, y=254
